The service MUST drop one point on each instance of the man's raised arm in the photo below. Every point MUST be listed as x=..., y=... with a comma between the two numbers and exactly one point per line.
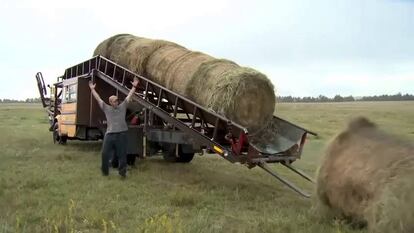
x=95, y=94
x=132, y=91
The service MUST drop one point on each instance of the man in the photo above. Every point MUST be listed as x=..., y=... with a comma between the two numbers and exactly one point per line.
x=115, y=139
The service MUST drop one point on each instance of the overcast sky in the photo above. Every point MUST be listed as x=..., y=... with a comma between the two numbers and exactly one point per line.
x=307, y=48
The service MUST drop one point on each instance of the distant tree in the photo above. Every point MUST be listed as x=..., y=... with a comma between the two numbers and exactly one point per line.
x=396, y=97
x=322, y=98
x=32, y=100
x=349, y=98
x=338, y=98
x=287, y=99
x=407, y=97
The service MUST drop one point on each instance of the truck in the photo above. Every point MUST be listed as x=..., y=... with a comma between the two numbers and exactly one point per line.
x=162, y=122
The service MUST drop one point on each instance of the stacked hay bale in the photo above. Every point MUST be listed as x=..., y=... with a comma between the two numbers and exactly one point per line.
x=130, y=51
x=367, y=178
x=243, y=95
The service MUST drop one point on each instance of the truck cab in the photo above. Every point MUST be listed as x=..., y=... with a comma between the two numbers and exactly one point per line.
x=78, y=117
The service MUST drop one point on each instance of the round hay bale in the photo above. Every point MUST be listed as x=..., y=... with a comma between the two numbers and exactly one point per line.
x=241, y=94
x=207, y=75
x=393, y=212
x=139, y=51
x=181, y=71
x=130, y=51
x=160, y=61
x=119, y=47
x=363, y=169
x=104, y=48
x=246, y=96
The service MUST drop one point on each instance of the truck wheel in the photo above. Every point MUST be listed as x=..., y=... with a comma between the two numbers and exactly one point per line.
x=63, y=140
x=55, y=135
x=170, y=155
x=131, y=159
x=185, y=157
x=56, y=138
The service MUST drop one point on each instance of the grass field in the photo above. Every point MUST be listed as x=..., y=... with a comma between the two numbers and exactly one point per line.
x=52, y=188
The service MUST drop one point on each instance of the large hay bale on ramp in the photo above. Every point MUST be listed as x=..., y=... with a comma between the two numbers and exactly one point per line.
x=130, y=51
x=181, y=71
x=119, y=47
x=161, y=60
x=204, y=81
x=242, y=94
x=139, y=51
x=104, y=48
x=367, y=178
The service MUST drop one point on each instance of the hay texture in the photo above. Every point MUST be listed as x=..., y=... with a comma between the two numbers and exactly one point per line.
x=161, y=60
x=367, y=177
x=130, y=51
x=242, y=94
x=105, y=47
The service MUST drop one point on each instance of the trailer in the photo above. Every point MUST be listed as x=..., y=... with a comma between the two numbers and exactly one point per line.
x=162, y=122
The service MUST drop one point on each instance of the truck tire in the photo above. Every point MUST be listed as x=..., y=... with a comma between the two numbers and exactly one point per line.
x=63, y=139
x=130, y=159
x=55, y=134
x=169, y=154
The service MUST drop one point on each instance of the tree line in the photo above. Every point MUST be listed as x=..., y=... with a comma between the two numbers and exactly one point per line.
x=289, y=99
x=339, y=98
x=28, y=100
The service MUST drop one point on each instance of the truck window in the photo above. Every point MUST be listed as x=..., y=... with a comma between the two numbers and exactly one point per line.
x=70, y=93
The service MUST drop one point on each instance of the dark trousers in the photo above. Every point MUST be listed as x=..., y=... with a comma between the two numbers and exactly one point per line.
x=115, y=144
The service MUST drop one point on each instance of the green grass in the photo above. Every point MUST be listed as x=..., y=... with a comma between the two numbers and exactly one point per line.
x=52, y=188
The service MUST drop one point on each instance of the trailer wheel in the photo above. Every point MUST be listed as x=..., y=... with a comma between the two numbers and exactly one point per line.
x=185, y=157
x=55, y=133
x=63, y=139
x=130, y=159
x=56, y=138
x=169, y=154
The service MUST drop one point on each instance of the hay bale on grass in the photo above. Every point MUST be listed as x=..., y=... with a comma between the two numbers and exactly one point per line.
x=367, y=178
x=393, y=212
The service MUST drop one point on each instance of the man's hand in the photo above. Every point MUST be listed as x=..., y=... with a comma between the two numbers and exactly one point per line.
x=131, y=92
x=92, y=85
x=135, y=82
x=95, y=94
